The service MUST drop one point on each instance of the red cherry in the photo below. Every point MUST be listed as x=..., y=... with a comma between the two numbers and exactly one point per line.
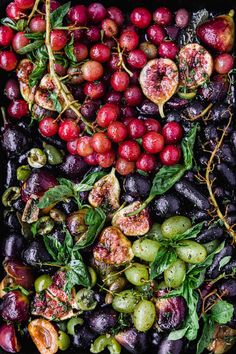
x=117, y=132
x=84, y=147
x=48, y=127
x=58, y=39
x=136, y=128
x=162, y=16
x=94, y=90
x=152, y=125
x=153, y=142
x=133, y=96
x=168, y=50
x=107, y=114
x=156, y=34
x=17, y=109
x=68, y=130
x=141, y=17
x=106, y=159
x=100, y=143
x=146, y=162
x=129, y=40
x=72, y=147
x=129, y=150
x=172, y=132
x=8, y=60
x=100, y=52
x=170, y=155
x=124, y=167
x=119, y=81
x=6, y=36
x=92, y=159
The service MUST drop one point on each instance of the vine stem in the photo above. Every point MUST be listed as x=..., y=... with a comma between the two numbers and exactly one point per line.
x=228, y=227
x=34, y=9
x=62, y=89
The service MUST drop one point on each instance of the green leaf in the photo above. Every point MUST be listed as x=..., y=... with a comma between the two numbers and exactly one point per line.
x=16, y=287
x=92, y=177
x=222, y=312
x=187, y=147
x=58, y=15
x=9, y=23
x=163, y=260
x=34, y=228
x=224, y=261
x=207, y=334
x=69, y=50
x=30, y=47
x=36, y=35
x=190, y=233
x=37, y=73
x=77, y=272
x=41, y=53
x=54, y=97
x=178, y=334
x=21, y=24
x=55, y=195
x=53, y=246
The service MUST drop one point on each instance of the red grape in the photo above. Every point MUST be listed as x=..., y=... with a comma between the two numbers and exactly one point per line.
x=14, y=12
x=141, y=17
x=129, y=150
x=168, y=49
x=156, y=34
x=115, y=14
x=119, y=81
x=170, y=155
x=136, y=128
x=224, y=63
x=92, y=70
x=17, y=109
x=78, y=14
x=72, y=147
x=133, y=96
x=19, y=41
x=92, y=159
x=124, y=167
x=172, y=132
x=106, y=159
x=137, y=59
x=117, y=132
x=162, y=16
x=109, y=27
x=107, y=114
x=94, y=90
x=153, y=142
x=6, y=36
x=48, y=127
x=152, y=125
x=182, y=18
x=100, y=143
x=146, y=162
x=84, y=147
x=80, y=51
x=58, y=39
x=68, y=130
x=93, y=34
x=37, y=24
x=96, y=12
x=129, y=40
x=25, y=4
x=100, y=52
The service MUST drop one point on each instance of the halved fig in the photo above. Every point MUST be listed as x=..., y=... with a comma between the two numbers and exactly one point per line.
x=218, y=33
x=171, y=312
x=20, y=273
x=113, y=247
x=195, y=65
x=159, y=80
x=135, y=225
x=106, y=192
x=44, y=91
x=57, y=289
x=224, y=338
x=23, y=71
x=8, y=339
x=44, y=336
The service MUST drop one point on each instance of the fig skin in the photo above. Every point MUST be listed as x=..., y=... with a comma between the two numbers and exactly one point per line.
x=159, y=80
x=8, y=339
x=218, y=33
x=171, y=312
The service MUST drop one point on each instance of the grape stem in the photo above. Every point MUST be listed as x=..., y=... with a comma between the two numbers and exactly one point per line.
x=62, y=89
x=34, y=9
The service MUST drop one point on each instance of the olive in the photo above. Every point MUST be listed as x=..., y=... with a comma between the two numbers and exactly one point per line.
x=42, y=283
x=23, y=172
x=125, y=301
x=13, y=245
x=103, y=342
x=54, y=156
x=137, y=274
x=10, y=195
x=155, y=232
x=175, y=274
x=145, y=249
x=72, y=323
x=166, y=206
x=37, y=158
x=63, y=340
x=175, y=225
x=102, y=320
x=137, y=185
x=144, y=315
x=118, y=285
x=11, y=220
x=191, y=252
x=85, y=299
x=73, y=166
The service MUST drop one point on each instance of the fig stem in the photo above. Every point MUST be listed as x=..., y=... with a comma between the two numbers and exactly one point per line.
x=143, y=206
x=161, y=110
x=34, y=9
x=231, y=13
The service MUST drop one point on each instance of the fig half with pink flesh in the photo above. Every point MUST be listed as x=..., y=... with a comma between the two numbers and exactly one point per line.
x=159, y=80
x=195, y=66
x=218, y=33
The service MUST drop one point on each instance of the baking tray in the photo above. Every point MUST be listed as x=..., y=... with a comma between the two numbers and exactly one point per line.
x=216, y=6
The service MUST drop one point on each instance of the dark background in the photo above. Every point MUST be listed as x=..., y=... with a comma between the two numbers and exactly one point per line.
x=221, y=6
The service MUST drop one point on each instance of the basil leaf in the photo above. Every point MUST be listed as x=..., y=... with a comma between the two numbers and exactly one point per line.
x=16, y=287
x=53, y=246
x=224, y=261
x=207, y=335
x=192, y=321
x=41, y=53
x=54, y=195
x=190, y=233
x=53, y=96
x=92, y=177
x=36, y=35
x=163, y=260
x=37, y=73
x=9, y=23
x=30, y=47
x=178, y=334
x=77, y=273
x=187, y=147
x=222, y=312
x=58, y=15
x=69, y=50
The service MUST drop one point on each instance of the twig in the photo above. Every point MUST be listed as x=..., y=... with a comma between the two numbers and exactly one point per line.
x=34, y=9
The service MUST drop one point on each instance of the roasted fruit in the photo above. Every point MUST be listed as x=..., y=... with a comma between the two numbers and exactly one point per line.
x=136, y=225
x=195, y=65
x=76, y=223
x=133, y=341
x=113, y=247
x=221, y=343
x=106, y=192
x=159, y=81
x=15, y=306
x=171, y=312
x=20, y=273
x=8, y=340
x=218, y=33
x=44, y=336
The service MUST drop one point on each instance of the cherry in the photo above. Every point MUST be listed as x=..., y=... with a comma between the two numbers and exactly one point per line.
x=129, y=40
x=162, y=16
x=114, y=97
x=93, y=34
x=92, y=70
x=68, y=130
x=6, y=36
x=152, y=125
x=107, y=114
x=224, y=63
x=80, y=51
x=58, y=39
x=109, y=27
x=136, y=128
x=100, y=143
x=141, y=17
x=78, y=15
x=94, y=90
x=115, y=14
x=100, y=52
x=84, y=147
x=96, y=12
x=153, y=142
x=170, y=155
x=117, y=132
x=37, y=24
x=168, y=49
x=25, y=4
x=133, y=96
x=129, y=150
x=48, y=127
x=172, y=132
x=19, y=41
x=114, y=62
x=106, y=159
x=8, y=60
x=137, y=59
x=17, y=109
x=92, y=159
x=72, y=147
x=14, y=12
x=156, y=34
x=146, y=162
x=12, y=89
x=119, y=81
x=124, y=167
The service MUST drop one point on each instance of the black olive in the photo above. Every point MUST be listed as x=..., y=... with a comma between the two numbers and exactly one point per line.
x=14, y=141
x=137, y=185
x=11, y=221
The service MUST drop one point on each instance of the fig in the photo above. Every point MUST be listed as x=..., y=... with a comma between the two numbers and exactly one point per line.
x=106, y=192
x=133, y=341
x=44, y=336
x=57, y=289
x=216, y=90
x=195, y=65
x=159, y=80
x=218, y=33
x=223, y=339
x=136, y=225
x=8, y=340
x=75, y=223
x=13, y=245
x=23, y=71
x=113, y=247
x=20, y=273
x=171, y=312
x=15, y=306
